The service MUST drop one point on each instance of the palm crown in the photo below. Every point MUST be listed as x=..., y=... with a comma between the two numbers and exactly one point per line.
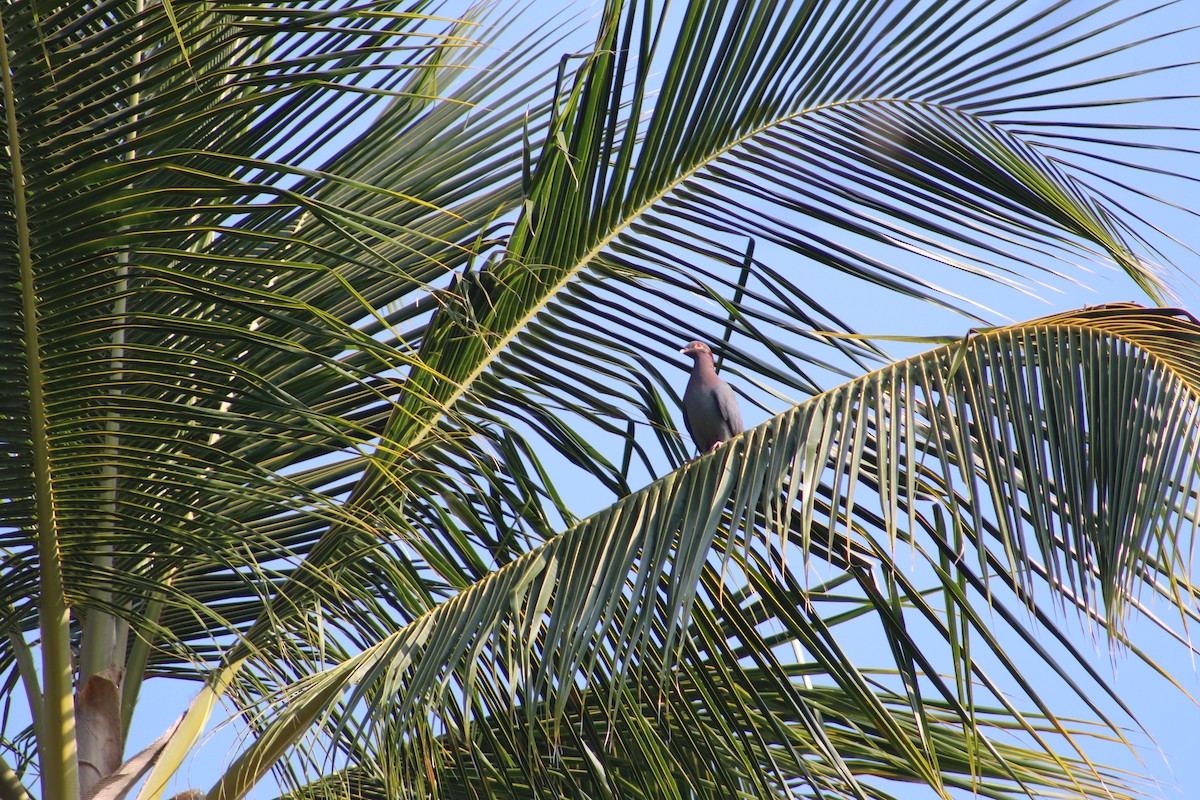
x=325, y=313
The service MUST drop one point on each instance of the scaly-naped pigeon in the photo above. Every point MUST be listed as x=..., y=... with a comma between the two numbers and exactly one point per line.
x=710, y=408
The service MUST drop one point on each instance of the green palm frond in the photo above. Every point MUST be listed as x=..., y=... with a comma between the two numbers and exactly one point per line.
x=657, y=201
x=208, y=317
x=648, y=208
x=331, y=316
x=677, y=605
x=189, y=332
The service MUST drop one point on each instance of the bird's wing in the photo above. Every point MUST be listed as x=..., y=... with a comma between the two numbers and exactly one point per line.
x=728, y=405
x=687, y=422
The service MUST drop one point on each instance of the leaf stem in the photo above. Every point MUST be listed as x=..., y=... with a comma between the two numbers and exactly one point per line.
x=56, y=740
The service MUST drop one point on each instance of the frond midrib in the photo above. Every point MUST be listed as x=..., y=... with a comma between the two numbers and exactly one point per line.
x=56, y=733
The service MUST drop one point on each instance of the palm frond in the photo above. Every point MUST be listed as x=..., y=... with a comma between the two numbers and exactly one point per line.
x=317, y=321
x=692, y=602
x=650, y=207
x=189, y=333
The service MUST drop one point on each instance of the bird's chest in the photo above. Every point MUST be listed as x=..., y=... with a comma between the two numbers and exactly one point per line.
x=703, y=407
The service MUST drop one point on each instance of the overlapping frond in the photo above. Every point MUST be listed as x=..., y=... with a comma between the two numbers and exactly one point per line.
x=195, y=347
x=709, y=199
x=687, y=616
x=324, y=333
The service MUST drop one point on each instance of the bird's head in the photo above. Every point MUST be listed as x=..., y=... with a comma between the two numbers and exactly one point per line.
x=697, y=350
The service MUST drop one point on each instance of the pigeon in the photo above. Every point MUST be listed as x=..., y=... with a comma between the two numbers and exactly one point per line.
x=710, y=408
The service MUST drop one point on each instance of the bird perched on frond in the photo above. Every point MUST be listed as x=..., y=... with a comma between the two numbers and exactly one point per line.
x=710, y=408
